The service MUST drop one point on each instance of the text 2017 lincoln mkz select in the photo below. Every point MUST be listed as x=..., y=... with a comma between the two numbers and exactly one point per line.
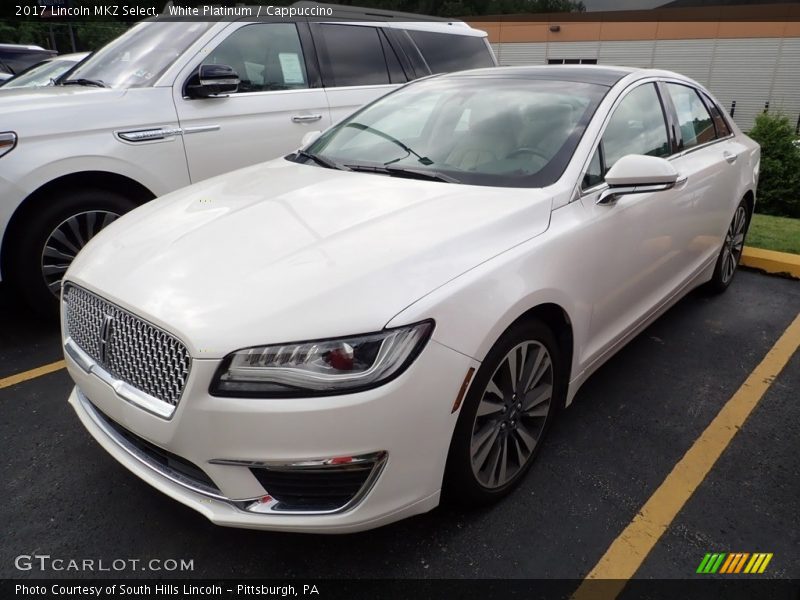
x=332, y=340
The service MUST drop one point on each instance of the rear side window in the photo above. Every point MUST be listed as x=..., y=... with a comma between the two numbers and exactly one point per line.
x=354, y=55
x=721, y=125
x=446, y=52
x=694, y=120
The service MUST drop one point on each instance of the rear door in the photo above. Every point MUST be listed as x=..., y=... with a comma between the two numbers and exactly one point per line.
x=358, y=64
x=707, y=156
x=280, y=98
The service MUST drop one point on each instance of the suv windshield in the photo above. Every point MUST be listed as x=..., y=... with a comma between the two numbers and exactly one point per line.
x=139, y=56
x=478, y=130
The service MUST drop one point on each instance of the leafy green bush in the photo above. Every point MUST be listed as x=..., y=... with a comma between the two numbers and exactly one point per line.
x=779, y=182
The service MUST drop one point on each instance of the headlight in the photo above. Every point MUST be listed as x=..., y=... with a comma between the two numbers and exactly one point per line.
x=8, y=139
x=321, y=367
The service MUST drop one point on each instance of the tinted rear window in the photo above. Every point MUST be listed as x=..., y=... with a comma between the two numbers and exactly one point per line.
x=354, y=56
x=446, y=52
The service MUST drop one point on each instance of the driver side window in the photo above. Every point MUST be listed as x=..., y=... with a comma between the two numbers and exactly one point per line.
x=637, y=126
x=266, y=56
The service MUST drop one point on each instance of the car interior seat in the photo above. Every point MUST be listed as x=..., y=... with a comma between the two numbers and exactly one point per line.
x=490, y=140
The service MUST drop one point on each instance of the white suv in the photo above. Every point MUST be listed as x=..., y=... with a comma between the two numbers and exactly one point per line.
x=171, y=103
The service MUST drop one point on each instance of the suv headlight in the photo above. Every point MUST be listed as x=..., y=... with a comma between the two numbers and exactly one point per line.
x=8, y=140
x=321, y=367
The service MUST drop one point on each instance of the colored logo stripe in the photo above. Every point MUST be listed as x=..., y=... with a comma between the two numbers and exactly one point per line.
x=734, y=562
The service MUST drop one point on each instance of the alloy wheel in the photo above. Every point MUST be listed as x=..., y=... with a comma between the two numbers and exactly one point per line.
x=66, y=240
x=512, y=414
x=734, y=243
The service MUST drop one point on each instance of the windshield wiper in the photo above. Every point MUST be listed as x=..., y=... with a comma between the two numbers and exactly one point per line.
x=423, y=159
x=86, y=82
x=320, y=160
x=407, y=173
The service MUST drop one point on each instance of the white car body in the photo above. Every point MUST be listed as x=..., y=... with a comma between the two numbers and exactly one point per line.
x=82, y=137
x=282, y=252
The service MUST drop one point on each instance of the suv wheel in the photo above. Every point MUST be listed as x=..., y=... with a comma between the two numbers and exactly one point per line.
x=48, y=243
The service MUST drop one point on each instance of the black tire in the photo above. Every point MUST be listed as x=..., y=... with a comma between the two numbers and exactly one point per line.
x=24, y=265
x=731, y=252
x=462, y=484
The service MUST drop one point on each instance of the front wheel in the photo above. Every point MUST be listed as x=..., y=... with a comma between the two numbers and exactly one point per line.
x=49, y=240
x=506, y=414
x=731, y=253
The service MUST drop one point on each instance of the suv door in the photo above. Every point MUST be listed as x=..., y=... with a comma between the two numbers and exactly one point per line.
x=358, y=64
x=707, y=155
x=278, y=101
x=638, y=241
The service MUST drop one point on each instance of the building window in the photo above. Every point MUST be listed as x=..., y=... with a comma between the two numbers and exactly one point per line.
x=571, y=61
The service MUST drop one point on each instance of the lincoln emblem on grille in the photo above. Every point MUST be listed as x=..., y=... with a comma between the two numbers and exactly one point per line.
x=105, y=337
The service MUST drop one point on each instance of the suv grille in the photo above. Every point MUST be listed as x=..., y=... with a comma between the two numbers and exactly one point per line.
x=129, y=348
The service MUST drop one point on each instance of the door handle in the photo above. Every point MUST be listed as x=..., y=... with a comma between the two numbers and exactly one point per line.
x=305, y=118
x=731, y=158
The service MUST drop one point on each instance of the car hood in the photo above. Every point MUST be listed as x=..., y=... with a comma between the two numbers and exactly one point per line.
x=53, y=109
x=282, y=252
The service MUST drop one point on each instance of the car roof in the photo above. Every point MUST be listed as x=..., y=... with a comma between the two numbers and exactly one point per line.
x=599, y=75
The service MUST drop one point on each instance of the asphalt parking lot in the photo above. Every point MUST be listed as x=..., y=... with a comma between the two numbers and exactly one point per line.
x=629, y=426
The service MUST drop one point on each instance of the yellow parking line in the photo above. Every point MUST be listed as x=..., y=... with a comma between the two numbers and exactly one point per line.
x=627, y=553
x=32, y=374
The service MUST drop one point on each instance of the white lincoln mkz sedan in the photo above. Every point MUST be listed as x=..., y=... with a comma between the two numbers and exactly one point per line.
x=333, y=340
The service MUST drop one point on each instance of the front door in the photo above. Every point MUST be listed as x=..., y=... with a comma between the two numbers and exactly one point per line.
x=269, y=114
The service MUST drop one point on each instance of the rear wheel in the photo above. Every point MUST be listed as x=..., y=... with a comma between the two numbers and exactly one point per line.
x=506, y=415
x=48, y=242
x=731, y=253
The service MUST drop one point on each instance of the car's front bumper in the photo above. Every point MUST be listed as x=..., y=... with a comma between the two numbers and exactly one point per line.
x=406, y=425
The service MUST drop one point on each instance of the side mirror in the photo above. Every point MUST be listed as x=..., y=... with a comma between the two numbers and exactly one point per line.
x=309, y=138
x=636, y=174
x=214, y=80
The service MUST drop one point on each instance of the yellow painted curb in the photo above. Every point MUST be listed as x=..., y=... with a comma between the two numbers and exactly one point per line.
x=780, y=263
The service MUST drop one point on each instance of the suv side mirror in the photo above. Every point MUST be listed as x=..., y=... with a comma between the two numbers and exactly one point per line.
x=636, y=174
x=214, y=80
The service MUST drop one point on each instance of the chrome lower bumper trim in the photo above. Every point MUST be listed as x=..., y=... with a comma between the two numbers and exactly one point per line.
x=126, y=392
x=260, y=505
x=140, y=456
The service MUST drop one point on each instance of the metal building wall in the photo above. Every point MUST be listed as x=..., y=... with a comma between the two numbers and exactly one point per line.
x=750, y=71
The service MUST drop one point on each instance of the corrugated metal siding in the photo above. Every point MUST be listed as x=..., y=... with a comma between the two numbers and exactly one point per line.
x=785, y=95
x=687, y=57
x=627, y=54
x=743, y=70
x=573, y=49
x=750, y=70
x=523, y=54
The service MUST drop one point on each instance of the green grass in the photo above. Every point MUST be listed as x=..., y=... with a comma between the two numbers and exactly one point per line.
x=781, y=234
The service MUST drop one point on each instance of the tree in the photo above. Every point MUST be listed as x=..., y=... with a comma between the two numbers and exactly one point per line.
x=779, y=180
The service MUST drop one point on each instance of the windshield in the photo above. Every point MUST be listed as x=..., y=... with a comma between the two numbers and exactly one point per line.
x=139, y=56
x=41, y=74
x=505, y=132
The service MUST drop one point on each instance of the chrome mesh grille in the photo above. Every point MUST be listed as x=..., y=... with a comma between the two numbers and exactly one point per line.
x=136, y=352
